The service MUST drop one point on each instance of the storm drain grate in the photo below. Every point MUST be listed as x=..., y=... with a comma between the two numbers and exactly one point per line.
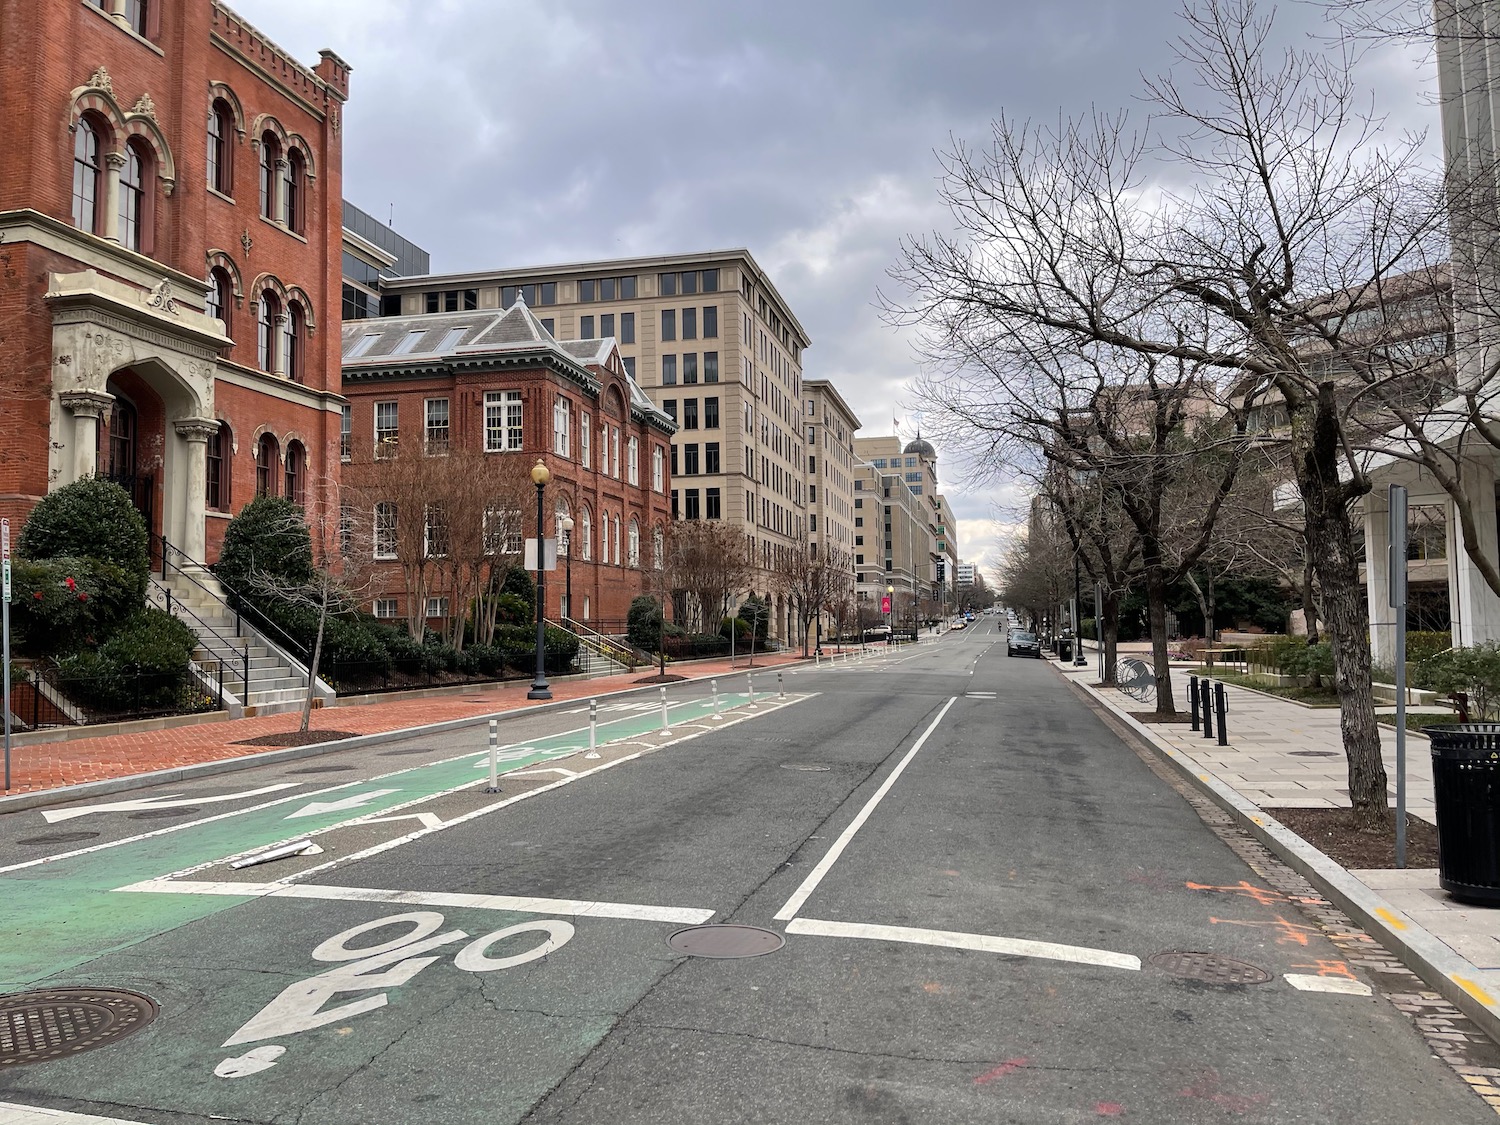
x=726, y=940
x=57, y=838
x=160, y=814
x=51, y=1024
x=1210, y=968
x=322, y=769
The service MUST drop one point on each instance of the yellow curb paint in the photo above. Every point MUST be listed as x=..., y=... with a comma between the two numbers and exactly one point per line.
x=1203, y=777
x=1473, y=990
x=1391, y=920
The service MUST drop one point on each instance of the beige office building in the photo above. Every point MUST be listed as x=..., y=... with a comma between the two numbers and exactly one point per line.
x=914, y=464
x=890, y=538
x=830, y=425
x=713, y=343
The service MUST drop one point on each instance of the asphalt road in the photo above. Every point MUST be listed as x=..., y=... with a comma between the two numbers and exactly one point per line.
x=970, y=872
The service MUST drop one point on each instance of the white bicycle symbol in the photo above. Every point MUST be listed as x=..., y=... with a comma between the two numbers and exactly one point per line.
x=300, y=1007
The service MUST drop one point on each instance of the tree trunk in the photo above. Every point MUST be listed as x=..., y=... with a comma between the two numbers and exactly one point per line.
x=317, y=656
x=1109, y=630
x=1330, y=544
x=1309, y=603
x=1156, y=613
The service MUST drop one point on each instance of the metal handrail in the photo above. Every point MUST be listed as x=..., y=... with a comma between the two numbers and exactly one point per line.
x=227, y=642
x=262, y=622
x=606, y=646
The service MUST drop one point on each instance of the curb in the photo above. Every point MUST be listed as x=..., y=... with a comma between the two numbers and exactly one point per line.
x=1445, y=971
x=106, y=786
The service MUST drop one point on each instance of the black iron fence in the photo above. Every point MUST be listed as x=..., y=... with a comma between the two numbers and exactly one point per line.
x=52, y=696
x=478, y=665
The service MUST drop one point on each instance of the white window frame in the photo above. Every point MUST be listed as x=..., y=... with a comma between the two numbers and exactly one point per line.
x=387, y=608
x=634, y=548
x=562, y=424
x=586, y=525
x=428, y=525
x=427, y=405
x=504, y=422
x=614, y=451
x=386, y=530
x=617, y=540
x=633, y=459
x=511, y=543
x=585, y=440
x=657, y=479
x=436, y=607
x=386, y=446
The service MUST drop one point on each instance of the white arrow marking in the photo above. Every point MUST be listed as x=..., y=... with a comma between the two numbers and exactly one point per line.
x=534, y=773
x=317, y=808
x=165, y=801
x=429, y=820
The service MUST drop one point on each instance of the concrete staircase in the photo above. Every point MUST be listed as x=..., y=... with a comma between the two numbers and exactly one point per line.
x=277, y=681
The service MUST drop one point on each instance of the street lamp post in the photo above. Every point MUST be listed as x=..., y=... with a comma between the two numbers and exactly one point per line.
x=567, y=529
x=1079, y=660
x=890, y=617
x=539, y=689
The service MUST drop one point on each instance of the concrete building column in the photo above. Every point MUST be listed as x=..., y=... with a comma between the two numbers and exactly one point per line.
x=113, y=162
x=1378, y=577
x=87, y=408
x=283, y=168
x=195, y=432
x=1475, y=607
x=278, y=344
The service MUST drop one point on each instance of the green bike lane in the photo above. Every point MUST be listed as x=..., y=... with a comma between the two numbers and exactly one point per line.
x=64, y=911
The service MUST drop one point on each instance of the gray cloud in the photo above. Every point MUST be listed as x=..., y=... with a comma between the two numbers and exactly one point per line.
x=517, y=132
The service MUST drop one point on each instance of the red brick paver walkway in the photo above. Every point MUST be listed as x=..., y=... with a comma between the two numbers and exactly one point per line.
x=53, y=764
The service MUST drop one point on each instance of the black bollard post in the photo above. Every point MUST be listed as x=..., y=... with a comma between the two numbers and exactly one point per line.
x=1208, y=714
x=1193, y=699
x=1221, y=705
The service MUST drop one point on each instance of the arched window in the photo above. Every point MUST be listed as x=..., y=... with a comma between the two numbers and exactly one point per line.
x=87, y=171
x=635, y=543
x=657, y=549
x=133, y=198
x=270, y=153
x=220, y=125
x=220, y=292
x=122, y=442
x=296, y=176
x=294, y=331
x=296, y=473
x=586, y=533
x=220, y=444
x=267, y=456
x=270, y=309
x=656, y=468
x=617, y=540
x=560, y=513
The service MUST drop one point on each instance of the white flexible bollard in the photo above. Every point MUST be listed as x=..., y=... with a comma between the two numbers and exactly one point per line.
x=593, y=729
x=494, y=786
x=714, y=686
x=750, y=687
x=664, y=723
x=780, y=687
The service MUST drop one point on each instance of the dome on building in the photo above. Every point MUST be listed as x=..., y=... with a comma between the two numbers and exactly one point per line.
x=921, y=448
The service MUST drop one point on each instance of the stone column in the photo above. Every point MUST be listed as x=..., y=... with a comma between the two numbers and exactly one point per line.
x=1475, y=607
x=283, y=168
x=1378, y=576
x=278, y=344
x=87, y=408
x=113, y=162
x=195, y=432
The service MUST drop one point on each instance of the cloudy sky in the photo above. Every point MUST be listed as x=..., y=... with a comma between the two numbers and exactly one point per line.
x=516, y=132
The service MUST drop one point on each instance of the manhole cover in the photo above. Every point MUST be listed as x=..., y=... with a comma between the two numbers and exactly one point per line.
x=726, y=941
x=57, y=838
x=1314, y=753
x=322, y=769
x=157, y=814
x=49, y=1024
x=805, y=768
x=1209, y=968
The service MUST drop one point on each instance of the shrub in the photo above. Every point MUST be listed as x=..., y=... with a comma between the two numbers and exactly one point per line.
x=61, y=605
x=518, y=644
x=1421, y=644
x=1474, y=670
x=643, y=623
x=757, y=615
x=144, y=666
x=90, y=518
x=511, y=609
x=268, y=538
x=518, y=582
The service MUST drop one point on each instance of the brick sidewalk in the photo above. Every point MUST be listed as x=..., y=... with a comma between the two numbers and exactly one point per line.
x=54, y=764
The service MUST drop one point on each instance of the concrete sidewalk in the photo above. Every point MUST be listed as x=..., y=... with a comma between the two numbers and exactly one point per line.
x=52, y=765
x=1285, y=755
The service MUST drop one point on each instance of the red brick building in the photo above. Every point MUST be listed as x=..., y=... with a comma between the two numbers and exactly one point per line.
x=499, y=382
x=170, y=237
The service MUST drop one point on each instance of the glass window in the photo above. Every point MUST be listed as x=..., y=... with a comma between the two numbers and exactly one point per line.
x=692, y=509
x=346, y=432
x=265, y=336
x=86, y=169
x=666, y=284
x=585, y=436
x=586, y=533
x=503, y=431
x=670, y=406
x=690, y=460
x=632, y=461
x=385, y=607
x=669, y=370
x=409, y=342
x=562, y=427
x=627, y=328
x=689, y=324
x=585, y=328
x=710, y=321
x=586, y=290
x=270, y=153
x=219, y=127
x=690, y=414
x=362, y=345
x=711, y=457
x=710, y=367
x=548, y=293
x=387, y=432
x=267, y=456
x=713, y=505
x=292, y=338
x=437, y=425
x=606, y=326
x=656, y=469
x=135, y=16
x=606, y=289
x=710, y=413
x=633, y=550
x=710, y=281
x=385, y=530
x=668, y=324
x=217, y=476
x=434, y=532
x=296, y=472
x=690, y=367
x=132, y=198
x=629, y=362
x=687, y=282
x=292, y=186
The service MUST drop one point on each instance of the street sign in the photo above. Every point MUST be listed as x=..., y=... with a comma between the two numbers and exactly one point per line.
x=5, y=556
x=885, y=603
x=549, y=555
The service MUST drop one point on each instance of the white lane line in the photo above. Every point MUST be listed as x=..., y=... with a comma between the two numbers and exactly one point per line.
x=983, y=943
x=815, y=877
x=165, y=801
x=13, y=1113
x=578, y=908
x=1342, y=985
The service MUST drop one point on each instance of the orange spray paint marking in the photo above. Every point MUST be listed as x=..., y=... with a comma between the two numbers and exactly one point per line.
x=1329, y=969
x=1001, y=1071
x=1109, y=1109
x=1261, y=895
x=1288, y=933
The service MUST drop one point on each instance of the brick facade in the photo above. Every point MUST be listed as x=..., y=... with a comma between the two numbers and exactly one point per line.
x=459, y=359
x=94, y=329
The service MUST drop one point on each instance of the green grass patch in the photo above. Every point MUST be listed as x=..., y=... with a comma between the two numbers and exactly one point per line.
x=1315, y=697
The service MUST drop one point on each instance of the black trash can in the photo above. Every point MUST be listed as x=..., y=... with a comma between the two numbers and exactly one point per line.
x=1065, y=649
x=1466, y=793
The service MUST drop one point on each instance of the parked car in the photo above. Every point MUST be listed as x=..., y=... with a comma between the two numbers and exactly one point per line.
x=960, y=623
x=1024, y=644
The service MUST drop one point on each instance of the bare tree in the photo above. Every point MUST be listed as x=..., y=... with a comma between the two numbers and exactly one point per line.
x=812, y=582
x=709, y=561
x=1290, y=197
